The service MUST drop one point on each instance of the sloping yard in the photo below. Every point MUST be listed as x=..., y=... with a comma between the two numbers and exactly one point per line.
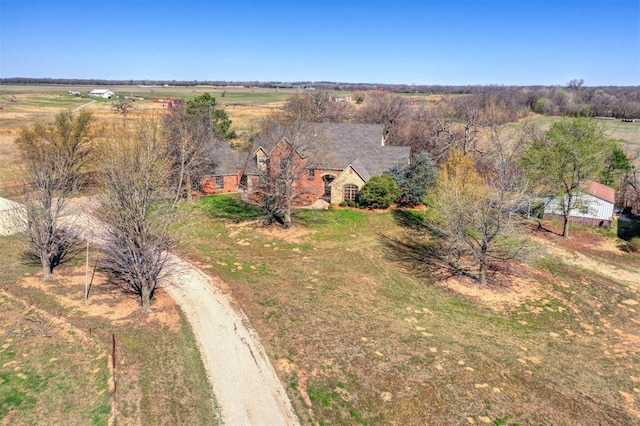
x=55, y=352
x=361, y=339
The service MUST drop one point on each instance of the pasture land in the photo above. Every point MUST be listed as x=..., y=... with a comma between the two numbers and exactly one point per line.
x=22, y=105
x=360, y=336
x=627, y=133
x=41, y=101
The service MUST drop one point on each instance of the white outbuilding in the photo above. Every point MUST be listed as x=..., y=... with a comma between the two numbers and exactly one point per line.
x=594, y=206
x=101, y=93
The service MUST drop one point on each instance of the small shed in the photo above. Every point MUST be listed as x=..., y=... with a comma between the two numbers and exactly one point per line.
x=101, y=93
x=594, y=206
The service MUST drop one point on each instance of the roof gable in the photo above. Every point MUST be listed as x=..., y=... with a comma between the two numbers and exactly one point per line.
x=361, y=170
x=601, y=191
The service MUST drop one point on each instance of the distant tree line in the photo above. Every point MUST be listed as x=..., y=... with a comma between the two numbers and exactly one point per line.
x=574, y=99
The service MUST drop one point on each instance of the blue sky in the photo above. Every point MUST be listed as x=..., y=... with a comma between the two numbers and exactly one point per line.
x=455, y=42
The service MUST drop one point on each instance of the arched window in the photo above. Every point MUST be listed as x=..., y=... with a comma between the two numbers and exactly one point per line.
x=349, y=192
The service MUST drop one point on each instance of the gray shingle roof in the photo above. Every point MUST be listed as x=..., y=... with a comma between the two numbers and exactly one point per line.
x=337, y=145
x=226, y=160
x=361, y=170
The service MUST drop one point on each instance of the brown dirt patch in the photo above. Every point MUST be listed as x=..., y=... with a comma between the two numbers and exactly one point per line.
x=587, y=241
x=294, y=234
x=513, y=293
x=105, y=299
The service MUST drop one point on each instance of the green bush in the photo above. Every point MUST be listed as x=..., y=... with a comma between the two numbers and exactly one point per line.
x=416, y=179
x=380, y=192
x=348, y=203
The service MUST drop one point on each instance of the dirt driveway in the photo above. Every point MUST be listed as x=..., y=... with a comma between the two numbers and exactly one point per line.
x=245, y=385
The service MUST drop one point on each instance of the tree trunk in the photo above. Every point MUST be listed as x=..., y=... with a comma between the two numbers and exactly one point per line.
x=145, y=297
x=565, y=227
x=482, y=274
x=47, y=270
x=189, y=186
x=180, y=178
x=286, y=220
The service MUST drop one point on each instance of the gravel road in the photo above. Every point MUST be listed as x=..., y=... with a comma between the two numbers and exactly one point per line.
x=246, y=387
x=247, y=390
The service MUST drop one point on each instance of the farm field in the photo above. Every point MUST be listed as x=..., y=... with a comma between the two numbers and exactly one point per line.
x=627, y=133
x=357, y=336
x=41, y=101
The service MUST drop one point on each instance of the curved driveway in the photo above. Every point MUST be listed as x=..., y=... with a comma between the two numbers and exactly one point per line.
x=247, y=390
x=246, y=387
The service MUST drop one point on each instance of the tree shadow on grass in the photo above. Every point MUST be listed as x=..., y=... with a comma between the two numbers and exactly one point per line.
x=410, y=219
x=66, y=252
x=422, y=250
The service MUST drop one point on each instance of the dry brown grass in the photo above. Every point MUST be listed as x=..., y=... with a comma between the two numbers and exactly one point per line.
x=360, y=339
x=156, y=355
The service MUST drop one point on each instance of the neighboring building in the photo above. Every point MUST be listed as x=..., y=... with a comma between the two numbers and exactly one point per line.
x=101, y=93
x=349, y=155
x=594, y=206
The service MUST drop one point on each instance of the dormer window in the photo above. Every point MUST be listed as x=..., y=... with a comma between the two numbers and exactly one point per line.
x=261, y=160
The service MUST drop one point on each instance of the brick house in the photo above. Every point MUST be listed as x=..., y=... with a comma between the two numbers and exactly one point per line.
x=346, y=156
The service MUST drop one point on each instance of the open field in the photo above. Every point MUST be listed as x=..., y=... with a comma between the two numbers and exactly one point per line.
x=627, y=133
x=41, y=102
x=361, y=339
x=241, y=103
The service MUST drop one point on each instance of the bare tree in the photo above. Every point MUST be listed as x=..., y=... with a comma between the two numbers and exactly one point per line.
x=318, y=106
x=628, y=194
x=297, y=150
x=187, y=139
x=123, y=107
x=136, y=219
x=458, y=122
x=50, y=181
x=478, y=221
x=384, y=108
x=69, y=137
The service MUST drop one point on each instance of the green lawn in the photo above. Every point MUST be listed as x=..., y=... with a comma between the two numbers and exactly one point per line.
x=367, y=340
